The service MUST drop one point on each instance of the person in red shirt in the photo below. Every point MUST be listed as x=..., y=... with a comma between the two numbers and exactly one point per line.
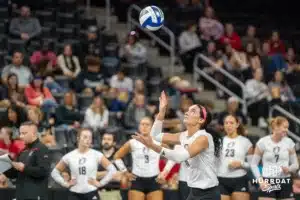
x=276, y=44
x=231, y=37
x=8, y=145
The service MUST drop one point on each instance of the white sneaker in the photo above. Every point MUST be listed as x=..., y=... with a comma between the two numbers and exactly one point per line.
x=262, y=123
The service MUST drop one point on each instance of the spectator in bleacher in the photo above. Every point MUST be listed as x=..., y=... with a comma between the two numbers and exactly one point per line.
x=38, y=95
x=252, y=56
x=97, y=115
x=113, y=103
x=172, y=122
x=91, y=80
x=13, y=92
x=189, y=46
x=124, y=85
x=23, y=72
x=232, y=109
x=231, y=37
x=276, y=44
x=25, y=26
x=136, y=110
x=210, y=27
x=250, y=37
x=139, y=87
x=258, y=90
x=92, y=44
x=69, y=63
x=35, y=115
x=8, y=144
x=134, y=52
x=3, y=181
x=66, y=114
x=14, y=117
x=43, y=60
x=280, y=90
x=293, y=68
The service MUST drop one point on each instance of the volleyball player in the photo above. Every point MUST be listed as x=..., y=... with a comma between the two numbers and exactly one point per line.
x=202, y=147
x=234, y=161
x=279, y=160
x=83, y=164
x=145, y=166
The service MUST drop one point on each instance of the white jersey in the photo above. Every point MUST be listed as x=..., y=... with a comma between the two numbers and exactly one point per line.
x=275, y=156
x=201, y=169
x=145, y=161
x=83, y=166
x=233, y=149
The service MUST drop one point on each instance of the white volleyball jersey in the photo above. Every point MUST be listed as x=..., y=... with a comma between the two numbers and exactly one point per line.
x=275, y=156
x=201, y=170
x=145, y=161
x=233, y=149
x=83, y=166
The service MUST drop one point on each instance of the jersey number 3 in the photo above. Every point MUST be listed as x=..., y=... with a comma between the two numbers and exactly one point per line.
x=229, y=153
x=82, y=171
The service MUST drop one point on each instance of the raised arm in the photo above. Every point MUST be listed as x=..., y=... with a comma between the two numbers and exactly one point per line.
x=156, y=131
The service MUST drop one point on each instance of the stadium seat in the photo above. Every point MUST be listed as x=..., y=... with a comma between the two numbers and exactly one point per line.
x=64, y=34
x=110, y=65
x=63, y=81
x=109, y=37
x=111, y=49
x=59, y=97
x=15, y=44
x=60, y=137
x=87, y=21
x=4, y=14
x=48, y=31
x=84, y=101
x=67, y=20
x=45, y=17
x=3, y=42
x=113, y=120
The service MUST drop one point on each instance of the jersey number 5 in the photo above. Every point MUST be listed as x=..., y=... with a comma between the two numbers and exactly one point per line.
x=82, y=171
x=229, y=153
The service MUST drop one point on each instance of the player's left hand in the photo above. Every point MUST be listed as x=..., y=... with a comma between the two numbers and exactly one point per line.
x=235, y=164
x=285, y=170
x=94, y=182
x=145, y=139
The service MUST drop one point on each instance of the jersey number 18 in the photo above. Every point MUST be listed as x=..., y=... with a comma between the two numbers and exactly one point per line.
x=82, y=171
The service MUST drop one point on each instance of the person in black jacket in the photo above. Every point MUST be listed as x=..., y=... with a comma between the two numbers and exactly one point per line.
x=32, y=167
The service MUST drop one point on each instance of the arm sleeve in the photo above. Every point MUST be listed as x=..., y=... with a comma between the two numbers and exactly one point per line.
x=42, y=167
x=254, y=166
x=120, y=165
x=170, y=164
x=177, y=155
x=55, y=174
x=111, y=170
x=156, y=130
x=294, y=165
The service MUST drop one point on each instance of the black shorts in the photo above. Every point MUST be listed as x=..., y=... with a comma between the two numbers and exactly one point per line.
x=184, y=190
x=145, y=185
x=280, y=188
x=230, y=185
x=204, y=194
x=86, y=196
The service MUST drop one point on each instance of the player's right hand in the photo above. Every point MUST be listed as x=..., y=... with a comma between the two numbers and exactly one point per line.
x=130, y=176
x=71, y=183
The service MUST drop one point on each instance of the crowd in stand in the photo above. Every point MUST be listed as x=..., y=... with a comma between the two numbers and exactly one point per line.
x=63, y=84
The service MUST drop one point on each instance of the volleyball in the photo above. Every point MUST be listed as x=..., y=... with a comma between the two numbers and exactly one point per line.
x=152, y=18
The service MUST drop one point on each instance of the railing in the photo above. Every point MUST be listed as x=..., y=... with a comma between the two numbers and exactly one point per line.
x=289, y=116
x=107, y=12
x=202, y=73
x=170, y=47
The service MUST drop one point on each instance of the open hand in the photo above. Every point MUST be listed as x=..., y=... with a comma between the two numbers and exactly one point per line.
x=163, y=101
x=144, y=139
